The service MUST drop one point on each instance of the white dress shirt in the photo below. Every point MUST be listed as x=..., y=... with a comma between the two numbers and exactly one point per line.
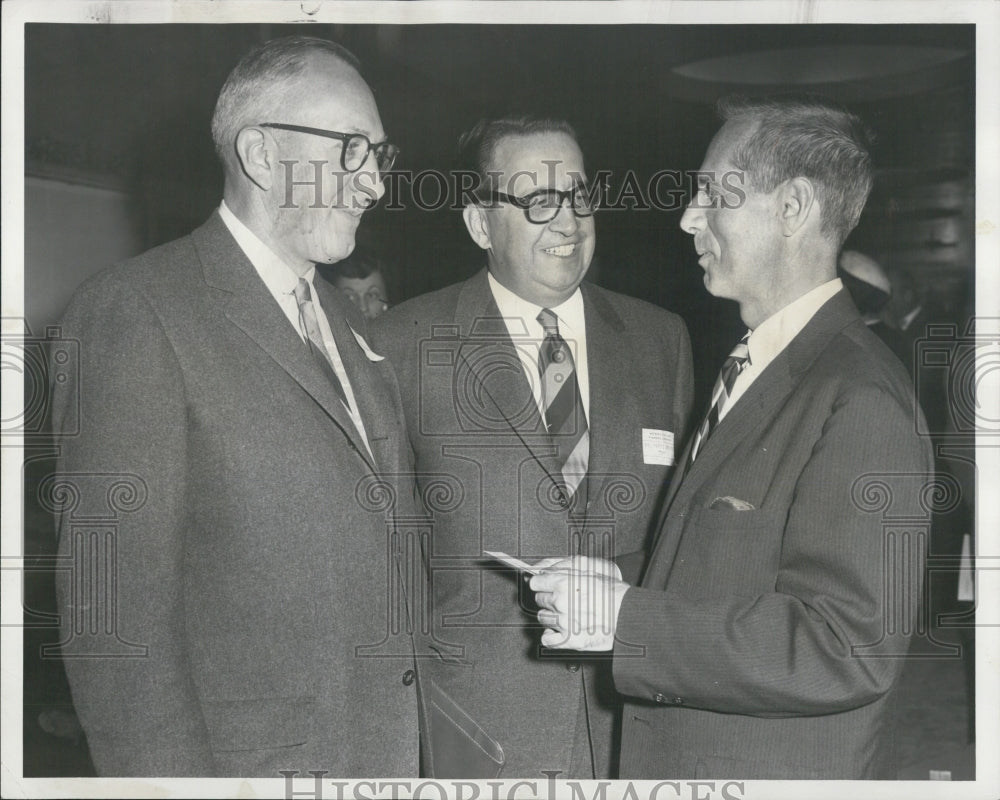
x=526, y=332
x=281, y=280
x=772, y=336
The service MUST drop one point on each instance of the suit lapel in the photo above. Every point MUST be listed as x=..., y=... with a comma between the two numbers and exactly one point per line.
x=250, y=306
x=756, y=407
x=610, y=374
x=489, y=355
x=373, y=401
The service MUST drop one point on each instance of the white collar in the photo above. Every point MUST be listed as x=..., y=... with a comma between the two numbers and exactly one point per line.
x=569, y=312
x=279, y=278
x=772, y=336
x=911, y=315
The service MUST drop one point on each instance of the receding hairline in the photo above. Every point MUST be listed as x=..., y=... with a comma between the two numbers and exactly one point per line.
x=283, y=86
x=512, y=136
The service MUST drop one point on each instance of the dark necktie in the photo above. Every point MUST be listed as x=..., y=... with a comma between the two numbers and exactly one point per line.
x=734, y=364
x=564, y=415
x=314, y=338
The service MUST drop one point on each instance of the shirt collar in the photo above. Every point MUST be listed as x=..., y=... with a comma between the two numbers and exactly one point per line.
x=279, y=278
x=772, y=336
x=911, y=315
x=569, y=312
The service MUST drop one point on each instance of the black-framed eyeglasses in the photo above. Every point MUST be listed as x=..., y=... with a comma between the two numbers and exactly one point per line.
x=543, y=205
x=356, y=147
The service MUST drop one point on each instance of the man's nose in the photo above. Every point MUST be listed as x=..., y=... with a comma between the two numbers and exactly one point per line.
x=693, y=218
x=565, y=220
x=368, y=180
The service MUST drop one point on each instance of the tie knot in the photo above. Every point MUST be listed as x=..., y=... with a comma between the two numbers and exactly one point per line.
x=741, y=353
x=549, y=322
x=302, y=292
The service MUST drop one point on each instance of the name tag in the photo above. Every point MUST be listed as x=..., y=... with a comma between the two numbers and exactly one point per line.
x=657, y=447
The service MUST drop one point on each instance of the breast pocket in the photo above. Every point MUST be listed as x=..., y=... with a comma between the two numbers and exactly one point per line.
x=726, y=552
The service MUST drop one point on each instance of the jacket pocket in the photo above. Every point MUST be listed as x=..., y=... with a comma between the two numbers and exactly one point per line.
x=733, y=520
x=459, y=747
x=261, y=723
x=725, y=552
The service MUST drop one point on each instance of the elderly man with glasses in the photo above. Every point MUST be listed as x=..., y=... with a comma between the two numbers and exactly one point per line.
x=548, y=408
x=229, y=410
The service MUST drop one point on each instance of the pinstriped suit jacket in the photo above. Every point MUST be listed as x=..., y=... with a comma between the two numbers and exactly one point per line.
x=760, y=643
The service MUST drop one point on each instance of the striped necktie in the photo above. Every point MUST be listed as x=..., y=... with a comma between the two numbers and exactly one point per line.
x=564, y=415
x=734, y=364
x=310, y=327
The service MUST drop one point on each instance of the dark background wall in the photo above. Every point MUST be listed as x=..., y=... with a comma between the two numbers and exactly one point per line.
x=119, y=154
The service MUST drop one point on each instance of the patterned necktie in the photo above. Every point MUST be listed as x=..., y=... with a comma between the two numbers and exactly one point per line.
x=310, y=327
x=564, y=415
x=734, y=364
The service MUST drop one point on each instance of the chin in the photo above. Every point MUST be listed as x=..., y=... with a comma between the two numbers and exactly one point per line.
x=338, y=253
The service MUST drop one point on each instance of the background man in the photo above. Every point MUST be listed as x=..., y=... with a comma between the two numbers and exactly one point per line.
x=871, y=291
x=552, y=405
x=239, y=395
x=742, y=649
x=361, y=279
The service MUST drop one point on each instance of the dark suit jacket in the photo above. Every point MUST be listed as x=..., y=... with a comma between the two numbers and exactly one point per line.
x=761, y=643
x=476, y=429
x=251, y=564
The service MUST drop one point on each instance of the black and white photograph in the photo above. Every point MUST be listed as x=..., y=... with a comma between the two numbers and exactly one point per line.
x=489, y=400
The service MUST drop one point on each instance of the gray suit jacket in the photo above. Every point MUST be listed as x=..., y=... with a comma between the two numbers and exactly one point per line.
x=252, y=565
x=479, y=439
x=766, y=643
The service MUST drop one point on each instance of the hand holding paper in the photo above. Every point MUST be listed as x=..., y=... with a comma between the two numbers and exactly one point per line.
x=516, y=563
x=579, y=599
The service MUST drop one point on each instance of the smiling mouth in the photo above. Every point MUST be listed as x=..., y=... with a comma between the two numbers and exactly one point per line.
x=562, y=251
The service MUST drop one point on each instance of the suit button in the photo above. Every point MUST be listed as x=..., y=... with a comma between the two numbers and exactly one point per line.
x=409, y=677
x=573, y=666
x=677, y=701
x=659, y=698
x=563, y=501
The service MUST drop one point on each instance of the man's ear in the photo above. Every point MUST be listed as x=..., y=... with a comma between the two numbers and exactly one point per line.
x=798, y=204
x=477, y=224
x=253, y=149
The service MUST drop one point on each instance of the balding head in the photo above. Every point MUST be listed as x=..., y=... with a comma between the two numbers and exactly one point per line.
x=258, y=89
x=282, y=127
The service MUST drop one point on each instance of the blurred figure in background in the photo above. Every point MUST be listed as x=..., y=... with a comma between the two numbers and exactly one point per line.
x=361, y=278
x=871, y=290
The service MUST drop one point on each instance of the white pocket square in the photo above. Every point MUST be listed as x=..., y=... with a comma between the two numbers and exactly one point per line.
x=732, y=502
x=371, y=354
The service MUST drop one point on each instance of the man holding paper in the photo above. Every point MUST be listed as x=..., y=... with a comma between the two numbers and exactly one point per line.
x=751, y=646
x=543, y=412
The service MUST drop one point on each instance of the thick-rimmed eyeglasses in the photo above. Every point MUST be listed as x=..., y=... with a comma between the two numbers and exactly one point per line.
x=542, y=206
x=357, y=146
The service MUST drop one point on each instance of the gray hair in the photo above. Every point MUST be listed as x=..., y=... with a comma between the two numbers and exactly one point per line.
x=805, y=137
x=253, y=90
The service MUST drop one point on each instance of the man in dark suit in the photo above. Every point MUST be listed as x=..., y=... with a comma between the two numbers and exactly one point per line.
x=551, y=408
x=767, y=632
x=236, y=399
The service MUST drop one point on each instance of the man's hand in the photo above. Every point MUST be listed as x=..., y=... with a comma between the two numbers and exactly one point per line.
x=579, y=599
